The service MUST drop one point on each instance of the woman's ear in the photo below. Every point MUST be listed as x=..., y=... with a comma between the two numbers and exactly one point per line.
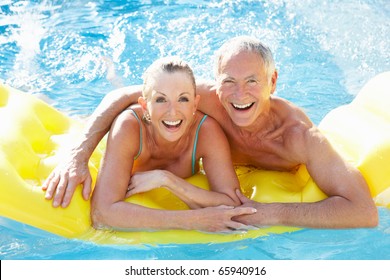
x=142, y=102
x=144, y=106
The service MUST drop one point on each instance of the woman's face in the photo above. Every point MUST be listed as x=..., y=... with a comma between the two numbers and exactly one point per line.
x=172, y=104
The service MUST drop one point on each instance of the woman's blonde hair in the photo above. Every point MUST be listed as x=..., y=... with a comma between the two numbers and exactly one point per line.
x=167, y=65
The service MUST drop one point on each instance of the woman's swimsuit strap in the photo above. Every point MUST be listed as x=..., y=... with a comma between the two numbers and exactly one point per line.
x=140, y=133
x=195, y=144
x=195, y=141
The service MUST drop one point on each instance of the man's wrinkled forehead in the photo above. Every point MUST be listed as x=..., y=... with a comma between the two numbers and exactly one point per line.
x=235, y=60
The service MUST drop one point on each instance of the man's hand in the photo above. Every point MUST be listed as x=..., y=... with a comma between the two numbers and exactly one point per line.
x=63, y=180
x=252, y=220
x=219, y=219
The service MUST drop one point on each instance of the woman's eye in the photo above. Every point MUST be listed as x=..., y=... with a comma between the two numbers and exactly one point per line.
x=183, y=99
x=160, y=99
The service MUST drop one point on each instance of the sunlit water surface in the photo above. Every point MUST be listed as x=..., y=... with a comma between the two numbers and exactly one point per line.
x=71, y=54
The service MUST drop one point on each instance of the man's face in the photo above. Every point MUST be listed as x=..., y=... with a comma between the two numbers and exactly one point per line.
x=243, y=87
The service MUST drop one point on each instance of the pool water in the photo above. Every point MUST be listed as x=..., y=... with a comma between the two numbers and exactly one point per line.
x=71, y=54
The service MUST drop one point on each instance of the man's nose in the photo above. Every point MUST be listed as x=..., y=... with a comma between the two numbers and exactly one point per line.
x=240, y=90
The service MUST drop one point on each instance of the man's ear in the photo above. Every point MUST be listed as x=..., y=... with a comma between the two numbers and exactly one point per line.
x=274, y=78
x=197, y=98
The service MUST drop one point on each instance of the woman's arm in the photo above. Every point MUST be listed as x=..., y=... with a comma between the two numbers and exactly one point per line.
x=109, y=210
x=73, y=171
x=214, y=149
x=194, y=196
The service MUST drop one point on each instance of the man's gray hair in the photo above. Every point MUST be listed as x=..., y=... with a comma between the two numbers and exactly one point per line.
x=250, y=44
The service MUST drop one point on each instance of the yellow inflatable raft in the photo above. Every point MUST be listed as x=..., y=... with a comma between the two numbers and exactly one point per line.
x=34, y=137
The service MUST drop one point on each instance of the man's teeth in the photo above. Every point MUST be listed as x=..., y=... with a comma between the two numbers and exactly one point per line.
x=242, y=106
x=172, y=123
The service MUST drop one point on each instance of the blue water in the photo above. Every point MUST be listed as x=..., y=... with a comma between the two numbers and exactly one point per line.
x=71, y=54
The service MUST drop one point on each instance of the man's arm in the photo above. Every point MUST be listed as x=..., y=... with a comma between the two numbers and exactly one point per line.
x=349, y=204
x=208, y=98
x=62, y=182
x=100, y=121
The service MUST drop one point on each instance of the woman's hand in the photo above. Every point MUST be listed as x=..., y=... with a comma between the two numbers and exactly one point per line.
x=145, y=181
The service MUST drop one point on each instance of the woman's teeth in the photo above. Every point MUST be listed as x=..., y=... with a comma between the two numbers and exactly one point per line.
x=172, y=123
x=242, y=106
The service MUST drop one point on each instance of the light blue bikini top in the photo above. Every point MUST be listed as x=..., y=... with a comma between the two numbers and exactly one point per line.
x=195, y=141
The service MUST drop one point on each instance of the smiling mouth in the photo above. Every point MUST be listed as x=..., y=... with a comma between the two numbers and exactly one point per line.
x=172, y=124
x=242, y=107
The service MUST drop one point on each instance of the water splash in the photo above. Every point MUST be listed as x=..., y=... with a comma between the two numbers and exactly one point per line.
x=66, y=49
x=355, y=35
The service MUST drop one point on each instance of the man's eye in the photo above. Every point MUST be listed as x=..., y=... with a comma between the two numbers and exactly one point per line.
x=227, y=82
x=252, y=82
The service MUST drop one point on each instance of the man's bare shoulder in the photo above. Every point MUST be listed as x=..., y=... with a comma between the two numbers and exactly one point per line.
x=289, y=112
x=205, y=87
x=294, y=126
x=209, y=102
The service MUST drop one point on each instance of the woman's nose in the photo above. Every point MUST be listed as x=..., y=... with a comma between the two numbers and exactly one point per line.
x=172, y=108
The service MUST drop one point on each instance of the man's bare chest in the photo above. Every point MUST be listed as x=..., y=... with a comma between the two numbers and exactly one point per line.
x=258, y=152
